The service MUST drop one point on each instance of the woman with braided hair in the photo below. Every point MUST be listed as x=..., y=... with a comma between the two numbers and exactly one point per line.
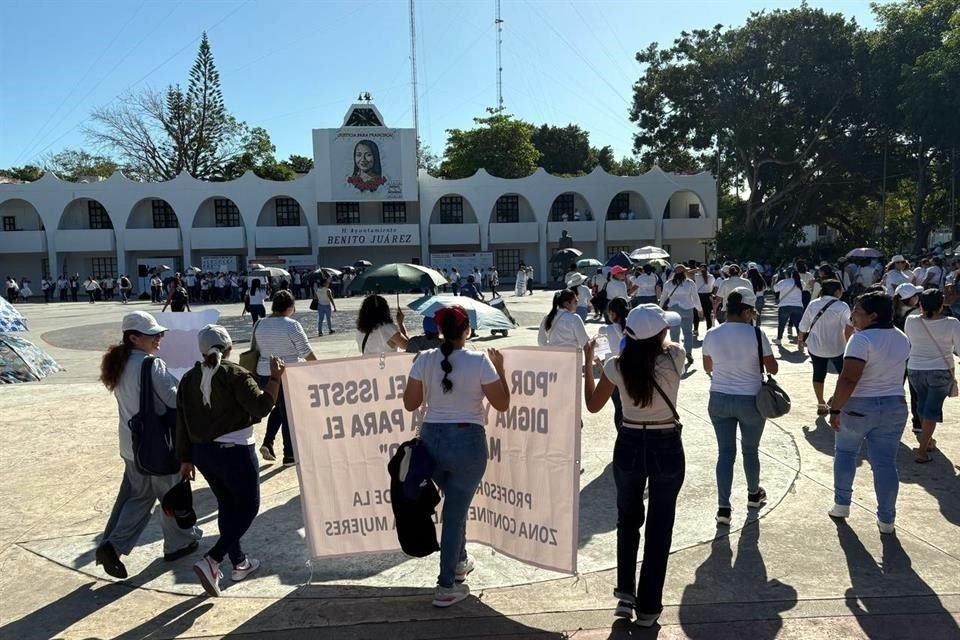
x=453, y=384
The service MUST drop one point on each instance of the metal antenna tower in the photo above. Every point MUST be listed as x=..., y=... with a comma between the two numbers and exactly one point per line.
x=413, y=70
x=499, y=23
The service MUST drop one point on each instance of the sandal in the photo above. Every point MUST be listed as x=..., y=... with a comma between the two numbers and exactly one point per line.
x=823, y=409
x=921, y=459
x=932, y=445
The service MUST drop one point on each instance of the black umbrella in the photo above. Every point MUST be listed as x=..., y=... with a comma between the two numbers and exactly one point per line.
x=620, y=259
x=566, y=255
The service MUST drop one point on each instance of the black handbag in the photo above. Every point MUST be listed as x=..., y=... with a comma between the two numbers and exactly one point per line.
x=772, y=401
x=153, y=435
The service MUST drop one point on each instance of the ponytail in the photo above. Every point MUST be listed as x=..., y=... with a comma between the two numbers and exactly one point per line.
x=446, y=349
x=114, y=361
x=621, y=308
x=211, y=364
x=560, y=298
x=796, y=279
x=453, y=322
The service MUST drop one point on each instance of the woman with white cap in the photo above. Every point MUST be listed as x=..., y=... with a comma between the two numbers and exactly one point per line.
x=120, y=372
x=648, y=454
x=731, y=357
x=896, y=275
x=906, y=304
x=680, y=296
x=576, y=284
x=217, y=405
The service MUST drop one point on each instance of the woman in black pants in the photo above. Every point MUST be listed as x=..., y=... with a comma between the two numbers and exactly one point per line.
x=648, y=452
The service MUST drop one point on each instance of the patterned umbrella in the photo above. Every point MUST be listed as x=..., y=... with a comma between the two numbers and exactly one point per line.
x=10, y=318
x=23, y=361
x=482, y=315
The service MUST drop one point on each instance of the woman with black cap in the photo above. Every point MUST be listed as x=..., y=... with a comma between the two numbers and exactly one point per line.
x=453, y=384
x=217, y=405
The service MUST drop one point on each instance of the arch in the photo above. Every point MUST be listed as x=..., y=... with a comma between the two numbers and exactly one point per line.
x=279, y=211
x=512, y=207
x=85, y=213
x=453, y=208
x=625, y=202
x=567, y=204
x=217, y=211
x=152, y=213
x=684, y=205
x=25, y=215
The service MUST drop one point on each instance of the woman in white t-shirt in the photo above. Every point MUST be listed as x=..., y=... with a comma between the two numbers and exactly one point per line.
x=790, y=306
x=562, y=327
x=376, y=332
x=934, y=338
x=824, y=330
x=731, y=358
x=255, y=300
x=583, y=293
x=648, y=449
x=617, y=311
x=868, y=404
x=453, y=383
x=648, y=287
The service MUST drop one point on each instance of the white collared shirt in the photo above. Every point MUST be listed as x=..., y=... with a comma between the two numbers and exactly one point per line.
x=683, y=296
x=704, y=284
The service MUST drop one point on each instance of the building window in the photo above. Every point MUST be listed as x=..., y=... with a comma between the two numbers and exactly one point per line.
x=451, y=210
x=163, y=215
x=562, y=206
x=103, y=267
x=507, y=261
x=348, y=213
x=288, y=212
x=612, y=251
x=693, y=211
x=226, y=213
x=394, y=212
x=619, y=204
x=822, y=230
x=9, y=223
x=507, y=209
x=97, y=216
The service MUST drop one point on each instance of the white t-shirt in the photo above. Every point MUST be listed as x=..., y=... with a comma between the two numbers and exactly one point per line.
x=258, y=297
x=867, y=275
x=827, y=338
x=567, y=330
x=377, y=342
x=616, y=289
x=736, y=366
x=893, y=278
x=930, y=351
x=464, y=403
x=935, y=275
x=790, y=294
x=584, y=295
x=884, y=353
x=728, y=285
x=668, y=370
x=704, y=284
x=646, y=285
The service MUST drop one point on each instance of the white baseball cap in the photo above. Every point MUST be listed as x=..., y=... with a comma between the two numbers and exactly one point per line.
x=747, y=296
x=142, y=322
x=213, y=335
x=907, y=290
x=576, y=280
x=647, y=320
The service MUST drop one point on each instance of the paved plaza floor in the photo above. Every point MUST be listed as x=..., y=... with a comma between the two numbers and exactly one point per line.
x=787, y=571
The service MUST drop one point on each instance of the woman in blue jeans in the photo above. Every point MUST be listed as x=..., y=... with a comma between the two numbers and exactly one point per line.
x=648, y=453
x=731, y=357
x=789, y=304
x=869, y=404
x=453, y=384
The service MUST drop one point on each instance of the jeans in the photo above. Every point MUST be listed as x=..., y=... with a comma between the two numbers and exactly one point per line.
x=706, y=303
x=582, y=312
x=91, y=295
x=132, y=509
x=233, y=474
x=686, y=325
x=881, y=424
x=324, y=311
x=278, y=422
x=640, y=456
x=785, y=314
x=726, y=412
x=617, y=408
x=760, y=302
x=257, y=312
x=932, y=388
x=459, y=451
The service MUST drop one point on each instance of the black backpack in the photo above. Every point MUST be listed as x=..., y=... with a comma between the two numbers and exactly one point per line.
x=414, y=498
x=124, y=283
x=178, y=300
x=153, y=435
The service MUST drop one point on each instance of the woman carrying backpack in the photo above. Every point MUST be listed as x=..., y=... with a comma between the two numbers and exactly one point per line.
x=120, y=373
x=453, y=384
x=179, y=299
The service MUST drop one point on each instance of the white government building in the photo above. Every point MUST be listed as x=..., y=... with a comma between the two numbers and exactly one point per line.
x=363, y=199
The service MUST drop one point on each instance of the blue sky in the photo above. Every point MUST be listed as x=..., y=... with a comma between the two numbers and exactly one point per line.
x=292, y=66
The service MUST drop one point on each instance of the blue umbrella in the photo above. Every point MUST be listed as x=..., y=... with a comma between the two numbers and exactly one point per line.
x=482, y=316
x=23, y=361
x=10, y=318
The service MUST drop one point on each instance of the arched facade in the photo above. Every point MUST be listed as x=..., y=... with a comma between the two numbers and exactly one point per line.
x=23, y=239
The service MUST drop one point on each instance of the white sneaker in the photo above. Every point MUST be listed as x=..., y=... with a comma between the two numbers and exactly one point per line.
x=209, y=573
x=886, y=527
x=463, y=570
x=839, y=511
x=449, y=596
x=245, y=568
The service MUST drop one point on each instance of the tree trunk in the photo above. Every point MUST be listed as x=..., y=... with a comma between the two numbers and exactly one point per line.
x=921, y=227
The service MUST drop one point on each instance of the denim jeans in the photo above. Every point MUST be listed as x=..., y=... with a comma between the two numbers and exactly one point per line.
x=233, y=473
x=459, y=451
x=617, y=408
x=932, y=388
x=785, y=315
x=639, y=457
x=726, y=413
x=132, y=509
x=881, y=424
x=324, y=311
x=278, y=422
x=686, y=325
x=759, y=307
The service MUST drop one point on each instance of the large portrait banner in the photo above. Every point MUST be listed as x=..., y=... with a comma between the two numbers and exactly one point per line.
x=366, y=163
x=347, y=420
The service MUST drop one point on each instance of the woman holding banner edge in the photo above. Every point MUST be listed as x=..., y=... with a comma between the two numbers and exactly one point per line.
x=453, y=384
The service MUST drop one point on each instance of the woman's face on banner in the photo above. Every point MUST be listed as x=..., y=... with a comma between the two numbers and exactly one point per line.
x=363, y=157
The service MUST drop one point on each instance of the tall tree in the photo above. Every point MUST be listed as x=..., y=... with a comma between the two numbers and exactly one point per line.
x=74, y=165
x=299, y=164
x=26, y=173
x=258, y=156
x=564, y=150
x=500, y=144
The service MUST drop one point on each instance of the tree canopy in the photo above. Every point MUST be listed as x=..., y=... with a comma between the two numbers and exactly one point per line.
x=500, y=144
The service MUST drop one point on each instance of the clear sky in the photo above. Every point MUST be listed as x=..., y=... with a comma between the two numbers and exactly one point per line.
x=291, y=66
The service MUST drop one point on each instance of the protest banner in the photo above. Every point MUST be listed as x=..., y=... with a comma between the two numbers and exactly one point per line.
x=347, y=419
x=179, y=348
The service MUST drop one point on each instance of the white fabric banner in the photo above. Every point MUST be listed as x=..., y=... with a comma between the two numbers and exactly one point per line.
x=347, y=420
x=179, y=348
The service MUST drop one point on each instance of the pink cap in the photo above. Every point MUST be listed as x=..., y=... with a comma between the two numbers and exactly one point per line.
x=617, y=270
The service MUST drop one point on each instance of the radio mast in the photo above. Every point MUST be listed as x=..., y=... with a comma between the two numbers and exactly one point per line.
x=413, y=71
x=499, y=24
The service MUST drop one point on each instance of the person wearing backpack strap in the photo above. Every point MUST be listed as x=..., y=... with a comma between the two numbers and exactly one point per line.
x=120, y=373
x=824, y=330
x=179, y=299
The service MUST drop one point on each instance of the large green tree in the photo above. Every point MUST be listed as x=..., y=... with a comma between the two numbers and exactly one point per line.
x=499, y=143
x=74, y=165
x=564, y=150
